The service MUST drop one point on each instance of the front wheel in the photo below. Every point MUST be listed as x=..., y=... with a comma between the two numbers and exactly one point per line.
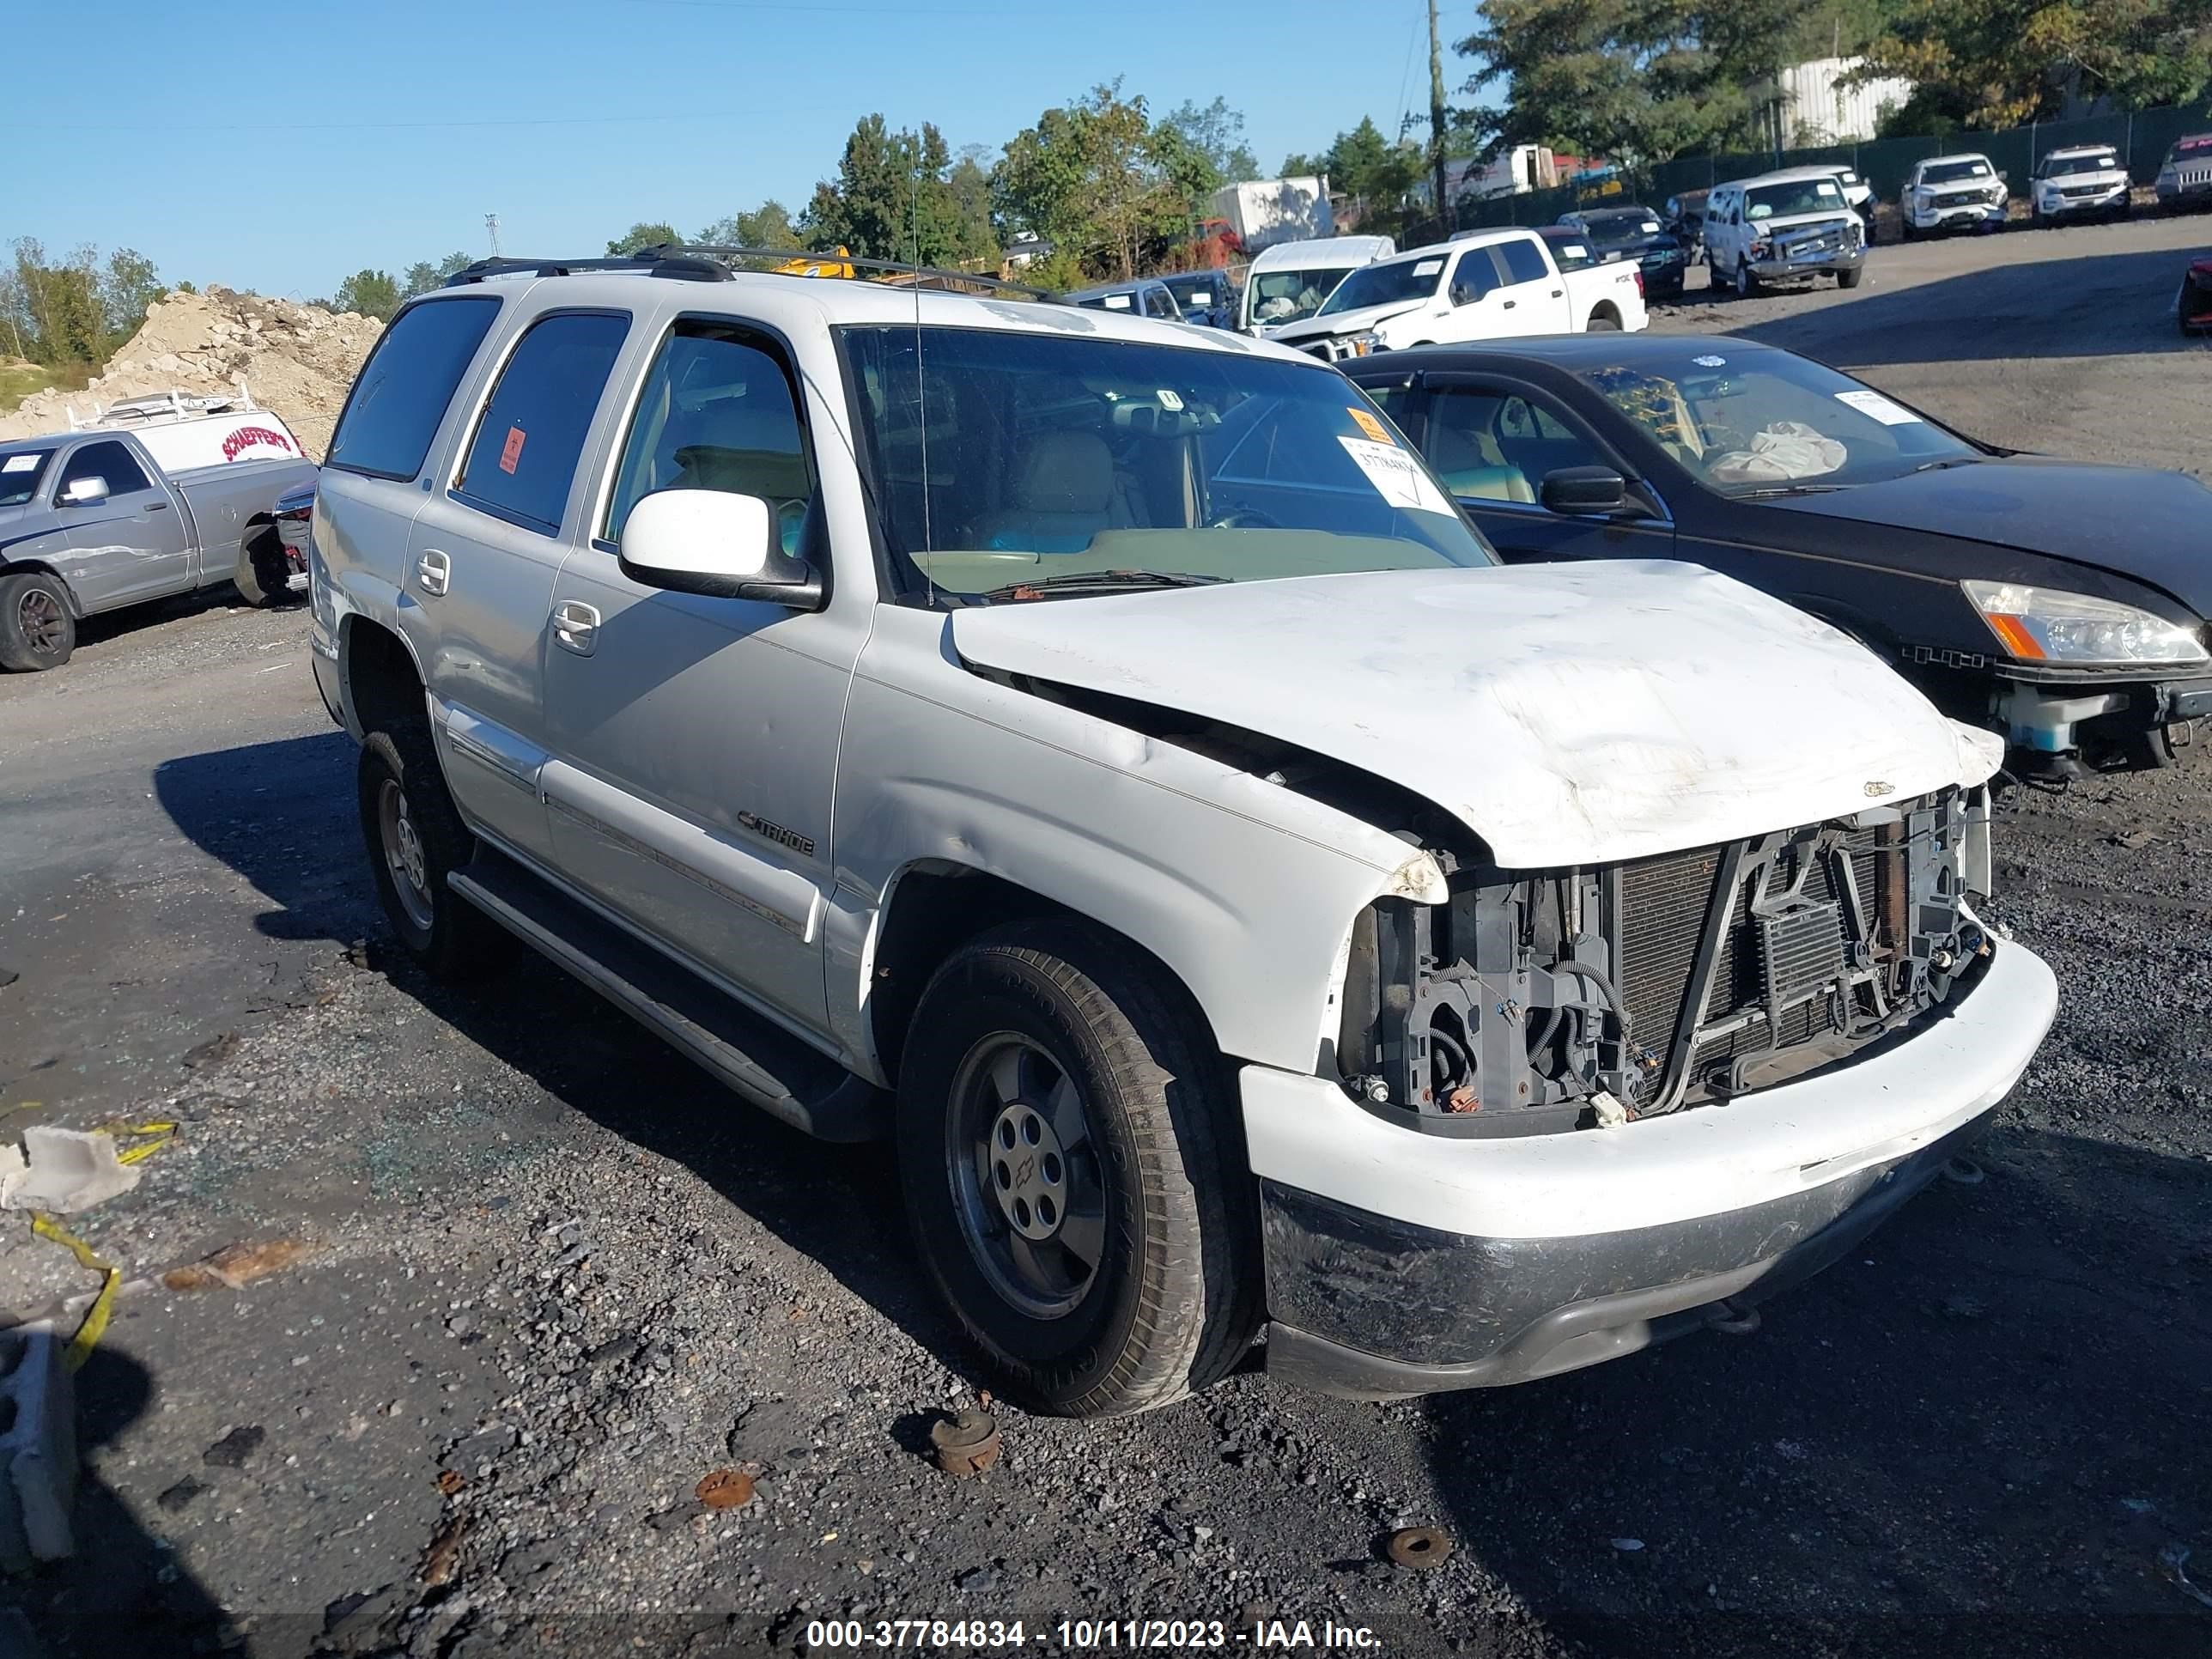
x=263, y=574
x=38, y=629
x=1747, y=283
x=1067, y=1149
x=1849, y=278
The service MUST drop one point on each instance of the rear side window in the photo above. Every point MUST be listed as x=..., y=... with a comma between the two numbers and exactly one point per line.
x=524, y=457
x=401, y=396
x=111, y=461
x=1524, y=261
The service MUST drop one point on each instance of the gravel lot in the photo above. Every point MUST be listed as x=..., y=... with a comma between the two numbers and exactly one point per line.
x=554, y=1277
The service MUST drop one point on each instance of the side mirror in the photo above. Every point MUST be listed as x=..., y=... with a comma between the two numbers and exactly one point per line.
x=1583, y=491
x=710, y=542
x=1463, y=294
x=84, y=492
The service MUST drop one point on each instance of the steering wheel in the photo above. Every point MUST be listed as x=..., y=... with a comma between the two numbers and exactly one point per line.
x=1242, y=518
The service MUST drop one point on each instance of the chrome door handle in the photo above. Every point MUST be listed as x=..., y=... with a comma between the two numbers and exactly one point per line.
x=434, y=571
x=576, y=627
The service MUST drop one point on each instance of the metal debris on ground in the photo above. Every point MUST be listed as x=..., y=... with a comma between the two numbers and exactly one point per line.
x=967, y=1443
x=1628, y=1546
x=2171, y=1562
x=237, y=1264
x=1963, y=1172
x=725, y=1489
x=1418, y=1546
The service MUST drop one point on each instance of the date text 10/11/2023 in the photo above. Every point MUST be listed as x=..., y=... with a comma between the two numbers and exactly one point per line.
x=1091, y=1635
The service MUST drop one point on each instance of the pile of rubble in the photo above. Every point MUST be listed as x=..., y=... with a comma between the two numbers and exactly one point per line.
x=298, y=359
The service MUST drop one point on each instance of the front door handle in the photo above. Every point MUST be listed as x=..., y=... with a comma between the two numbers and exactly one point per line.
x=157, y=506
x=433, y=572
x=576, y=627
x=1558, y=292
x=1509, y=304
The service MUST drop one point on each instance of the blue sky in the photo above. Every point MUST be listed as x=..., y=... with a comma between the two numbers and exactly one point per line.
x=280, y=146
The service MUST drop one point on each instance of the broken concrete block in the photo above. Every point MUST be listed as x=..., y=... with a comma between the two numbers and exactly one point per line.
x=62, y=1171
x=38, y=1448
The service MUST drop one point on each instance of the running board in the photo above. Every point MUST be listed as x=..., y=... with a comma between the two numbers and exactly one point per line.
x=768, y=1067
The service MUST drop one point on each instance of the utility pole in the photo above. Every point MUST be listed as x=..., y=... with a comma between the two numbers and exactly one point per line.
x=491, y=224
x=1437, y=122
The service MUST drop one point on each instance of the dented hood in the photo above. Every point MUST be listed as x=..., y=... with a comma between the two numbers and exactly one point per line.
x=1567, y=714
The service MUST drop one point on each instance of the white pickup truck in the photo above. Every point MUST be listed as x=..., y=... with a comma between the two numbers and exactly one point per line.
x=155, y=498
x=1481, y=285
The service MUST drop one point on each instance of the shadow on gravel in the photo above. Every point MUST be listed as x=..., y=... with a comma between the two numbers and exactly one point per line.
x=1972, y=1437
x=122, y=1592
x=282, y=816
x=2101, y=304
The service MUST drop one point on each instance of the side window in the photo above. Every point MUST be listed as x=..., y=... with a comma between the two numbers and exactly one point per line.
x=524, y=457
x=1497, y=446
x=715, y=413
x=111, y=461
x=400, y=397
x=1158, y=302
x=1398, y=401
x=1474, y=275
x=1524, y=261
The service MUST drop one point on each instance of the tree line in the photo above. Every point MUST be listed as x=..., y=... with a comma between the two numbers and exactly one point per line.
x=72, y=313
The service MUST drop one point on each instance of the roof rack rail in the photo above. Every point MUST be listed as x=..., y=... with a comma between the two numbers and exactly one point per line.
x=703, y=263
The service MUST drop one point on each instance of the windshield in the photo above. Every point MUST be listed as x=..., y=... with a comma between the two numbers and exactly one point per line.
x=1954, y=172
x=1618, y=226
x=1769, y=420
x=1000, y=458
x=20, y=472
x=2059, y=166
x=1386, y=284
x=1781, y=201
x=1196, y=292
x=1288, y=297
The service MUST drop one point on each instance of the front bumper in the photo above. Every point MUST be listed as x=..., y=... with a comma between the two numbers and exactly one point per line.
x=1825, y=263
x=2041, y=715
x=2074, y=207
x=1401, y=1263
x=1976, y=215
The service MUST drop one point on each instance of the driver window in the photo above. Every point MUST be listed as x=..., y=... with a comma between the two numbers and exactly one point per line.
x=715, y=413
x=1475, y=276
x=1159, y=303
x=111, y=461
x=1497, y=446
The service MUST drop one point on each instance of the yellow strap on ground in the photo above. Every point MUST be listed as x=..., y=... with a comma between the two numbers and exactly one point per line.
x=160, y=1132
x=103, y=1305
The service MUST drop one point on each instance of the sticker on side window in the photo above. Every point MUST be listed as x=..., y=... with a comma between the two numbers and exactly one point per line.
x=1373, y=428
x=1428, y=267
x=19, y=464
x=1880, y=408
x=1116, y=302
x=511, y=456
x=1397, y=477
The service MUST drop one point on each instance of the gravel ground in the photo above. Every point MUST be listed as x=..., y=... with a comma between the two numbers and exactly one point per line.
x=551, y=1277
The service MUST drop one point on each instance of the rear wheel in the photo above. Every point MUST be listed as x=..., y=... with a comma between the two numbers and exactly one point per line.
x=263, y=574
x=1066, y=1146
x=38, y=629
x=416, y=839
x=1606, y=325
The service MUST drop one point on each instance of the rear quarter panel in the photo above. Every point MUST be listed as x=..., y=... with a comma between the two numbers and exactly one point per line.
x=225, y=500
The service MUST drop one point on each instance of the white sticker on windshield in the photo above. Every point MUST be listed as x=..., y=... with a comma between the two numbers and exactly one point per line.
x=19, y=464
x=1117, y=302
x=1397, y=477
x=1428, y=267
x=1170, y=401
x=1709, y=362
x=1874, y=403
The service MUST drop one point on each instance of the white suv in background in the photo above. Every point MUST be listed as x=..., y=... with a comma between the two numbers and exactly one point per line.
x=1952, y=192
x=2087, y=182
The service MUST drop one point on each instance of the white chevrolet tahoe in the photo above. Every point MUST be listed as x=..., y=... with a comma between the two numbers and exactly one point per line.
x=1096, y=754
x=1481, y=285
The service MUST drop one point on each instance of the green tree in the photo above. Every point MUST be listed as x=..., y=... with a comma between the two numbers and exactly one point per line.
x=891, y=200
x=969, y=182
x=1297, y=165
x=422, y=276
x=372, y=293
x=644, y=233
x=128, y=288
x=1216, y=133
x=768, y=225
x=1100, y=180
x=57, y=310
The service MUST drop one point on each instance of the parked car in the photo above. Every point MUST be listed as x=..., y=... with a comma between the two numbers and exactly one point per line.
x=1147, y=296
x=2192, y=306
x=2061, y=603
x=1634, y=233
x=1686, y=218
x=2184, y=178
x=1780, y=230
x=295, y=518
x=1571, y=249
x=2089, y=181
x=1289, y=281
x=1952, y=192
x=155, y=497
x=1203, y=297
x=1136, y=791
x=1480, y=285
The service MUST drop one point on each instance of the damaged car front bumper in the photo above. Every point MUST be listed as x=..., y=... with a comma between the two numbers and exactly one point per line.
x=1404, y=1261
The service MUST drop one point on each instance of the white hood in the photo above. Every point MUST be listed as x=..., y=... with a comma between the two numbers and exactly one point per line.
x=1344, y=322
x=1567, y=714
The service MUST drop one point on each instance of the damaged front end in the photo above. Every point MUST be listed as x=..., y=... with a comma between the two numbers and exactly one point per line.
x=1535, y=1001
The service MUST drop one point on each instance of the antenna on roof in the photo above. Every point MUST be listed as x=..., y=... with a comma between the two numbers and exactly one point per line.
x=491, y=224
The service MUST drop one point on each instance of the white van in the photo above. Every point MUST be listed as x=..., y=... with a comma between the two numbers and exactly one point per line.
x=1288, y=282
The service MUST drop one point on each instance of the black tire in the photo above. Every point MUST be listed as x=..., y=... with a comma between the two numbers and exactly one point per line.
x=449, y=937
x=38, y=627
x=1170, y=1300
x=1604, y=326
x=1747, y=280
x=263, y=574
x=1906, y=231
x=1849, y=278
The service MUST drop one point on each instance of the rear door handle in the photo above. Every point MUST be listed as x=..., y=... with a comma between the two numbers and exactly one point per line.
x=1558, y=292
x=433, y=572
x=576, y=627
x=1509, y=304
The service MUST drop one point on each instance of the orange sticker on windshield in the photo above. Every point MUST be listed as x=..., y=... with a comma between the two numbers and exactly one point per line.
x=512, y=454
x=1373, y=428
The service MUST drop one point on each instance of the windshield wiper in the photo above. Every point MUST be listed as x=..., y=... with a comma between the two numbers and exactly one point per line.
x=1948, y=460
x=1100, y=581
x=1790, y=490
